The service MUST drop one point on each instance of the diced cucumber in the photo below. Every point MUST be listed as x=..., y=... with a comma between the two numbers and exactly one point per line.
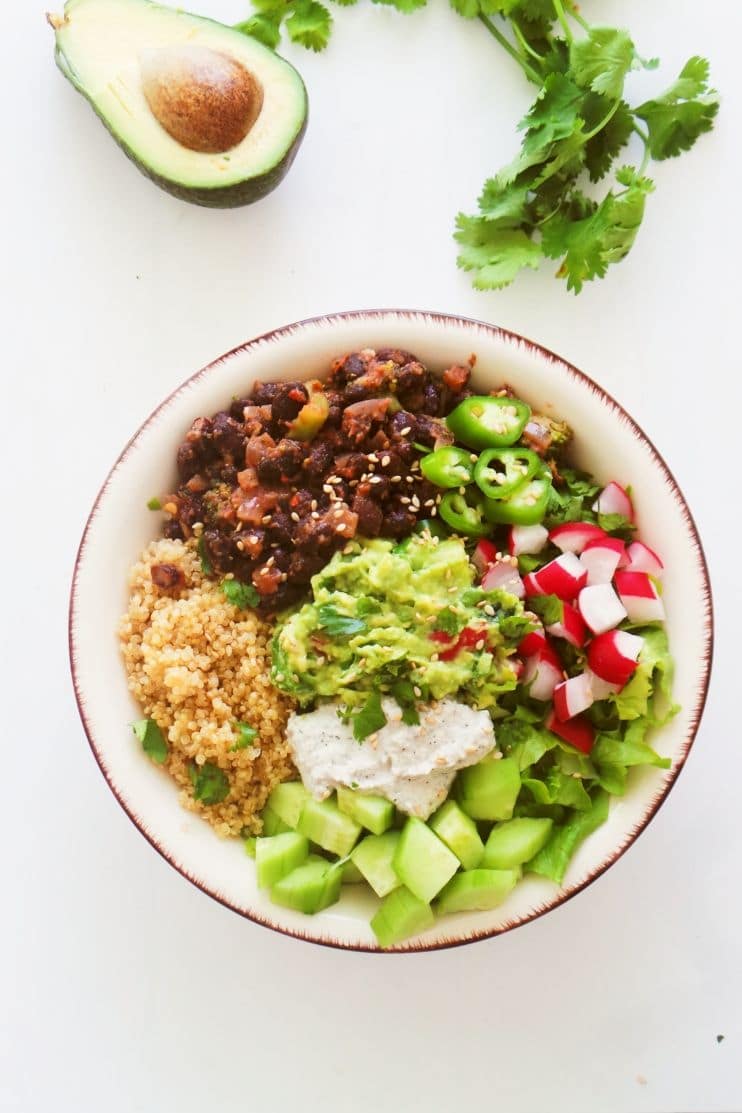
x=515, y=842
x=373, y=856
x=422, y=861
x=250, y=846
x=310, y=887
x=489, y=790
x=324, y=823
x=459, y=833
x=278, y=855
x=401, y=914
x=372, y=812
x=287, y=800
x=351, y=875
x=272, y=823
x=476, y=890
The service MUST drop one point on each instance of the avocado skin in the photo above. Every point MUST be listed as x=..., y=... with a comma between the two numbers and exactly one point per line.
x=220, y=197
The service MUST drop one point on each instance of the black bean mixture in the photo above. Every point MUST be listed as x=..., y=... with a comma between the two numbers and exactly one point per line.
x=279, y=481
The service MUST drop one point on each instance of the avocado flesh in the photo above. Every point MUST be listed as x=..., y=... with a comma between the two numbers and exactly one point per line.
x=101, y=48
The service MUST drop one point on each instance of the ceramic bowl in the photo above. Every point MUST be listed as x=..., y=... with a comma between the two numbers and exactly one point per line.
x=608, y=443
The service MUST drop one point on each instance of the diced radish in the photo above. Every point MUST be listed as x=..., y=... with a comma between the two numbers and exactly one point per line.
x=533, y=642
x=578, y=732
x=506, y=576
x=601, y=608
x=573, y=696
x=639, y=597
x=643, y=559
x=543, y=672
x=601, y=688
x=563, y=577
x=518, y=667
x=484, y=555
x=613, y=499
x=527, y=539
x=572, y=537
x=601, y=558
x=571, y=628
x=612, y=656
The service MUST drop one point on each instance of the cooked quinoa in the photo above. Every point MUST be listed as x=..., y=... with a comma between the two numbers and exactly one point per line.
x=196, y=664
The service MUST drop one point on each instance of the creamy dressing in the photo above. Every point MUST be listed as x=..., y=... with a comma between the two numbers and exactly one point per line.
x=413, y=766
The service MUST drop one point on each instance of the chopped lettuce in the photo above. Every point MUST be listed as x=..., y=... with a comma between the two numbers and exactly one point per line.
x=553, y=859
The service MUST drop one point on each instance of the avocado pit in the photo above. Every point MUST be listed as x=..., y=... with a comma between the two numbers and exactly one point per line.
x=205, y=100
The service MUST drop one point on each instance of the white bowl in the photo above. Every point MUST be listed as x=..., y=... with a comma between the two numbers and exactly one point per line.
x=608, y=443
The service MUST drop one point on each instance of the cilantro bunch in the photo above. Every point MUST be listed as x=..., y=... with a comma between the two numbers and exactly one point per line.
x=545, y=204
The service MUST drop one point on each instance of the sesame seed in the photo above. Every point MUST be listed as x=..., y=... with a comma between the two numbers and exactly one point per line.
x=314, y=515
x=295, y=517
x=404, y=500
x=410, y=479
x=417, y=691
x=452, y=590
x=429, y=502
x=386, y=461
x=489, y=609
x=396, y=479
x=341, y=527
x=434, y=656
x=407, y=429
x=375, y=479
x=313, y=504
x=373, y=457
x=480, y=645
x=266, y=519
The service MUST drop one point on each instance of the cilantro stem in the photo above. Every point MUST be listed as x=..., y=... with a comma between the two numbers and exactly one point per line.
x=575, y=13
x=563, y=20
x=528, y=70
x=599, y=127
x=643, y=135
x=524, y=41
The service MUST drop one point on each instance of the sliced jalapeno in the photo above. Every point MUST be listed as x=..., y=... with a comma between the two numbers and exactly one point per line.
x=484, y=421
x=525, y=507
x=448, y=467
x=464, y=513
x=499, y=472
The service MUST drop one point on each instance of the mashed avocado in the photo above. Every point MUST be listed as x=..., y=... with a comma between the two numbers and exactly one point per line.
x=399, y=619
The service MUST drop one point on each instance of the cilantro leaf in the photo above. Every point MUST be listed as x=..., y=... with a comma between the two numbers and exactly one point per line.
x=554, y=114
x=265, y=28
x=370, y=718
x=549, y=608
x=602, y=59
x=309, y=24
x=448, y=622
x=590, y=245
x=685, y=111
x=602, y=149
x=468, y=8
x=502, y=204
x=366, y=605
x=616, y=523
x=339, y=625
x=152, y=739
x=497, y=255
x=404, y=693
x=246, y=735
x=210, y=783
x=240, y=594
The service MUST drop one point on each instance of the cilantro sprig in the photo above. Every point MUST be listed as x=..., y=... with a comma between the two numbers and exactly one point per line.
x=545, y=205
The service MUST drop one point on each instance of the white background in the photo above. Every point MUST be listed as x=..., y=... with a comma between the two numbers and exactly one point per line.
x=125, y=989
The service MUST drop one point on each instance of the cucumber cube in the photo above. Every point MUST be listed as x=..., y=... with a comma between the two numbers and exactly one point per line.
x=287, y=800
x=401, y=914
x=324, y=824
x=373, y=856
x=372, y=812
x=515, y=842
x=477, y=890
x=250, y=846
x=351, y=875
x=272, y=823
x=459, y=833
x=422, y=861
x=489, y=790
x=278, y=855
x=310, y=887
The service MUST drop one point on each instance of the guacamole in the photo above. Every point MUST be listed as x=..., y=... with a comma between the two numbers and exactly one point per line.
x=400, y=619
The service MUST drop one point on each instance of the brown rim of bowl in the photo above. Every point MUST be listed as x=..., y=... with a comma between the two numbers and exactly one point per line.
x=373, y=315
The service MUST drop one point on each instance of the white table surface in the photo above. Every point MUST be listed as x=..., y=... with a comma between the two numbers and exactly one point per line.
x=124, y=988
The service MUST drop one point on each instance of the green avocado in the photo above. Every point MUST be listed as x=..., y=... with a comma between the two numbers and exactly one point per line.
x=209, y=114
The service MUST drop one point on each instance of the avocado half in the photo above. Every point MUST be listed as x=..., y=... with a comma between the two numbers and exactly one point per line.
x=209, y=114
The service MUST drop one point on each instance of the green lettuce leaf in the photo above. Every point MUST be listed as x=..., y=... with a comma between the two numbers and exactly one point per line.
x=554, y=858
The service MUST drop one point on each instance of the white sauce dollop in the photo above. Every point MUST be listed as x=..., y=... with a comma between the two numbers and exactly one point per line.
x=413, y=766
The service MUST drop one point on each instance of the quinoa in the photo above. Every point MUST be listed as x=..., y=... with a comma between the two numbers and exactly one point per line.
x=197, y=665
